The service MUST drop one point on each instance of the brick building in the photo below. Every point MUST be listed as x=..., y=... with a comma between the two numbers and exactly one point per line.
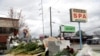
x=7, y=26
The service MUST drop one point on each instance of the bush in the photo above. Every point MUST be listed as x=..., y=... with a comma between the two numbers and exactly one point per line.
x=16, y=48
x=20, y=46
x=41, y=47
x=64, y=52
x=67, y=51
x=36, y=51
x=28, y=48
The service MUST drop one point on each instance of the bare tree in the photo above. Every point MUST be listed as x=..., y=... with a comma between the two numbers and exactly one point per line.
x=11, y=13
x=18, y=15
x=15, y=15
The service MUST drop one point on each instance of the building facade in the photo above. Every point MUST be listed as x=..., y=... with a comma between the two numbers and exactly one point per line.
x=7, y=26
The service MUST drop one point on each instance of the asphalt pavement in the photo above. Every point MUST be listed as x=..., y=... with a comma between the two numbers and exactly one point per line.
x=77, y=46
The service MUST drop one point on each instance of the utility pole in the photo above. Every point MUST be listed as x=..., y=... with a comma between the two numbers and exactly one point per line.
x=50, y=23
x=42, y=16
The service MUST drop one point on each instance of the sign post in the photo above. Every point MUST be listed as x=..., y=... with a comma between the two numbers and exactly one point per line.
x=78, y=15
x=80, y=35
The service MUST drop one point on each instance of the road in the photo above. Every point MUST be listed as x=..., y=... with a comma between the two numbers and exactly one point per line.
x=77, y=46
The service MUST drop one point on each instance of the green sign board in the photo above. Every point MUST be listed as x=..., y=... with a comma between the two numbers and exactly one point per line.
x=68, y=29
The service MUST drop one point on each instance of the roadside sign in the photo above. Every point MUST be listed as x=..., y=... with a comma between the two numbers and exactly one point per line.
x=68, y=29
x=78, y=15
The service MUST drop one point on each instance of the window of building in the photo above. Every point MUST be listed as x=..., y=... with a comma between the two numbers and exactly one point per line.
x=5, y=30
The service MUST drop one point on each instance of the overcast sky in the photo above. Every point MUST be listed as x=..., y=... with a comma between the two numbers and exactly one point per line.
x=32, y=12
